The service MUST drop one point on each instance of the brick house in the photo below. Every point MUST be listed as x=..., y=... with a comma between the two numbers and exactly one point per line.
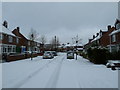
x=8, y=40
x=23, y=42
x=105, y=38
x=13, y=44
x=101, y=39
x=115, y=37
x=35, y=46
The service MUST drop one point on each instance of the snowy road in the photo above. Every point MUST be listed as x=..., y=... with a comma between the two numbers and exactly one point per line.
x=58, y=73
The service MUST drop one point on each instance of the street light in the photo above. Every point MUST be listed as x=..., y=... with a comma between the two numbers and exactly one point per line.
x=32, y=45
x=76, y=49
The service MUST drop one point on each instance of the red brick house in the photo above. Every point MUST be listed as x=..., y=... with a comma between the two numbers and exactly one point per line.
x=8, y=40
x=13, y=44
x=115, y=37
x=104, y=41
x=25, y=43
x=101, y=39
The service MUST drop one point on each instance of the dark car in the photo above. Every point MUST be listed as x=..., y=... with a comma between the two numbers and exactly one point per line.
x=70, y=55
x=54, y=53
x=48, y=55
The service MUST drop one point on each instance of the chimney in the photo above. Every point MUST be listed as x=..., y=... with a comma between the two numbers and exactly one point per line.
x=90, y=40
x=93, y=36
x=109, y=27
x=18, y=29
x=97, y=34
x=5, y=24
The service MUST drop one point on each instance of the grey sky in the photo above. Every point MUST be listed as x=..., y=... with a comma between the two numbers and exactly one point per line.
x=65, y=20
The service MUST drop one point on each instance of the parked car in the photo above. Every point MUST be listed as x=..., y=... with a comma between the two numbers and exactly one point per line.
x=54, y=53
x=48, y=55
x=27, y=52
x=70, y=55
x=113, y=64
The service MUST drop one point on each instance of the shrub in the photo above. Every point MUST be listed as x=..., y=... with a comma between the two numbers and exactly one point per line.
x=98, y=55
x=114, y=55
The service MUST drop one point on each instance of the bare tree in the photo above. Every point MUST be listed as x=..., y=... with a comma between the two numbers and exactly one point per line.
x=55, y=42
x=33, y=34
x=43, y=39
x=32, y=37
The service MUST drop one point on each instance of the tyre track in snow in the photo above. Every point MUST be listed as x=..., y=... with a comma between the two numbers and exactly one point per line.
x=23, y=81
x=55, y=76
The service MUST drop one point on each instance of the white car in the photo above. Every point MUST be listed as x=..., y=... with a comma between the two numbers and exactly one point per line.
x=113, y=64
x=48, y=55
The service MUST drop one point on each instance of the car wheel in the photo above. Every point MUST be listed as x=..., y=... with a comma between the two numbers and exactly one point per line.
x=113, y=68
x=108, y=66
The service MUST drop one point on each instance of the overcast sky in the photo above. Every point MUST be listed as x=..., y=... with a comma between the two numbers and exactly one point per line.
x=63, y=19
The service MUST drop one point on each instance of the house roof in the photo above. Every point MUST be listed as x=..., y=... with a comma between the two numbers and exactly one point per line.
x=99, y=36
x=114, y=32
x=67, y=45
x=77, y=44
x=96, y=38
x=7, y=31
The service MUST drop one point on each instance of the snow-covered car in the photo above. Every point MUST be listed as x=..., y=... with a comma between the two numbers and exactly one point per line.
x=48, y=55
x=54, y=53
x=27, y=52
x=70, y=55
x=113, y=64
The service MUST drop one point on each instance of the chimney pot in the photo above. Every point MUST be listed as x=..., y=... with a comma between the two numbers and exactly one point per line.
x=97, y=34
x=109, y=27
x=93, y=36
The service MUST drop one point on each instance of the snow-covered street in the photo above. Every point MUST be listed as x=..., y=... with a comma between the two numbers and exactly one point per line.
x=58, y=72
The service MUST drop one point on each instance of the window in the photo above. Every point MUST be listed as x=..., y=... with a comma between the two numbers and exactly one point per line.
x=28, y=42
x=113, y=49
x=118, y=26
x=9, y=48
x=10, y=38
x=17, y=40
x=113, y=38
x=1, y=36
x=14, y=49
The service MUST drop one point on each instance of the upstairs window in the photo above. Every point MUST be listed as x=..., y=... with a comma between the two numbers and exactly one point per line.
x=28, y=42
x=10, y=38
x=1, y=36
x=17, y=40
x=113, y=38
x=118, y=26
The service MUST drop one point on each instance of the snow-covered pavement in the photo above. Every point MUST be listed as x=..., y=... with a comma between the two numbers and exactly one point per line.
x=57, y=73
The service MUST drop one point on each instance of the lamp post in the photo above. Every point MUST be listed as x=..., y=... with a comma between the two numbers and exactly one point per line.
x=32, y=45
x=55, y=44
x=76, y=49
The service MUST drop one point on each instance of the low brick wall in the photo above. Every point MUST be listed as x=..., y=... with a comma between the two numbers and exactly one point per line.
x=19, y=57
x=15, y=57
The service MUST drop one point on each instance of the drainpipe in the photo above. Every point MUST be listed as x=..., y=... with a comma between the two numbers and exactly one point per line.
x=110, y=44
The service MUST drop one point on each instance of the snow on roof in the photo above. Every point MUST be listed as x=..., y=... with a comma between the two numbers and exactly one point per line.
x=80, y=48
x=67, y=45
x=77, y=44
x=7, y=31
x=115, y=31
x=96, y=38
